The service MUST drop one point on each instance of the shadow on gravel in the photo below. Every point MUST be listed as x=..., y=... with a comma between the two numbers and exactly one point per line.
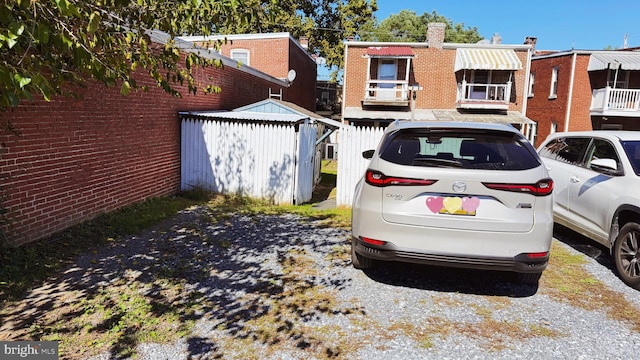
x=585, y=245
x=235, y=282
x=456, y=280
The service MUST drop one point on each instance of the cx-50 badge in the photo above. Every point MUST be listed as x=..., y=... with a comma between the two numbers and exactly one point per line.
x=459, y=187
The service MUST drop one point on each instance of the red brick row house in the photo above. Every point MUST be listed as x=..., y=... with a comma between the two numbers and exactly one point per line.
x=276, y=54
x=435, y=80
x=584, y=90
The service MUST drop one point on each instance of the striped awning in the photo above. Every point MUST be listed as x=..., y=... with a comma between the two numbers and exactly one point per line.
x=617, y=60
x=487, y=59
x=389, y=51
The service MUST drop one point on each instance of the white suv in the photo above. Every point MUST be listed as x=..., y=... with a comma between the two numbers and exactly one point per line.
x=597, y=191
x=472, y=195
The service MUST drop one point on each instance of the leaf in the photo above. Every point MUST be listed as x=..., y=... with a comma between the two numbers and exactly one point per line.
x=22, y=81
x=126, y=88
x=94, y=22
x=62, y=5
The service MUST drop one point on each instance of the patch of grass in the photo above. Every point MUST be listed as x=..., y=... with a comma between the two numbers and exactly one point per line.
x=224, y=206
x=119, y=317
x=566, y=280
x=24, y=267
x=340, y=255
x=492, y=334
x=326, y=189
x=329, y=167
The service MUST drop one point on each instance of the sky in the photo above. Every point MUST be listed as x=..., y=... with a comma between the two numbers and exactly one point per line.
x=558, y=25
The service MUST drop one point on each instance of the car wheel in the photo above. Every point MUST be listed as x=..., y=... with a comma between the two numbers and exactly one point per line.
x=359, y=261
x=529, y=278
x=626, y=252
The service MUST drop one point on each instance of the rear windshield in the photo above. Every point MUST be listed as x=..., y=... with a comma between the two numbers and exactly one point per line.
x=493, y=150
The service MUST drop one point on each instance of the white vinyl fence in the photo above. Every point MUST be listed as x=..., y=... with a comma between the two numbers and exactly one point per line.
x=269, y=161
x=351, y=164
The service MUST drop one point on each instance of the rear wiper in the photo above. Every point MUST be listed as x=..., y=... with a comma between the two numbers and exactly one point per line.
x=437, y=162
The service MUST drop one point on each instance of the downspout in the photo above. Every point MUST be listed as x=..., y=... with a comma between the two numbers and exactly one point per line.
x=344, y=81
x=567, y=116
x=525, y=98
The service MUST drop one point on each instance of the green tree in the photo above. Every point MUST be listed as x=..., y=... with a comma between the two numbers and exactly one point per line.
x=407, y=26
x=326, y=23
x=45, y=45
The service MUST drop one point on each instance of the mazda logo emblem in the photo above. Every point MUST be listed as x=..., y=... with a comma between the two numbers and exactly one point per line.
x=459, y=186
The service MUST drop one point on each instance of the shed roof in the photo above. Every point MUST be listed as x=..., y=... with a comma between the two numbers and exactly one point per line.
x=247, y=116
x=284, y=107
x=278, y=107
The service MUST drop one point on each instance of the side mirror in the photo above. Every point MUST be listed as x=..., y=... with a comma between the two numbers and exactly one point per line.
x=368, y=154
x=605, y=166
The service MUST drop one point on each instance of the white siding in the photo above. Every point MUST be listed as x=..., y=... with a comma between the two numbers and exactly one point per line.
x=351, y=164
x=248, y=159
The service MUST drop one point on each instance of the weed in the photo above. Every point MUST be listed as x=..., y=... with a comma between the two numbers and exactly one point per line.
x=567, y=280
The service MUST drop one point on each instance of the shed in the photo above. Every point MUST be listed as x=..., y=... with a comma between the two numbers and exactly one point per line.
x=324, y=127
x=257, y=154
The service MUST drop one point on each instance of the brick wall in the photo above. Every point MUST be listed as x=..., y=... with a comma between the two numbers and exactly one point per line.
x=303, y=89
x=76, y=158
x=276, y=56
x=544, y=109
x=579, y=117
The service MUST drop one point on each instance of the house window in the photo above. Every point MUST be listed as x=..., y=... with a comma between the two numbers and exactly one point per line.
x=241, y=56
x=480, y=79
x=387, y=72
x=618, y=79
x=554, y=83
x=532, y=81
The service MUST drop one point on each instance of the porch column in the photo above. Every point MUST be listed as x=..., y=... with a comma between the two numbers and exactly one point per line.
x=406, y=78
x=367, y=85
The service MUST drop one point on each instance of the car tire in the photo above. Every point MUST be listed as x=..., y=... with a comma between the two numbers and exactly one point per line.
x=529, y=278
x=626, y=253
x=359, y=261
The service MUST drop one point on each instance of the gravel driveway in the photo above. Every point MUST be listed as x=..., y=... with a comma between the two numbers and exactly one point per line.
x=282, y=287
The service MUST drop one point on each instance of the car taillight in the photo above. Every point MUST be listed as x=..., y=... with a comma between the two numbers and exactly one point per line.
x=376, y=178
x=537, y=255
x=373, y=241
x=541, y=188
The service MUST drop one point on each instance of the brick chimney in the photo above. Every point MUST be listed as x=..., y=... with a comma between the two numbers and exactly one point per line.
x=531, y=41
x=304, y=42
x=435, y=34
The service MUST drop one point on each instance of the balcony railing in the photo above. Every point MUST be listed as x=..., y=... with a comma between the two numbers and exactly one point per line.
x=386, y=92
x=483, y=96
x=621, y=101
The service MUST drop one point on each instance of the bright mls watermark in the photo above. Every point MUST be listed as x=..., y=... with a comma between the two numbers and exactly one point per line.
x=35, y=350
